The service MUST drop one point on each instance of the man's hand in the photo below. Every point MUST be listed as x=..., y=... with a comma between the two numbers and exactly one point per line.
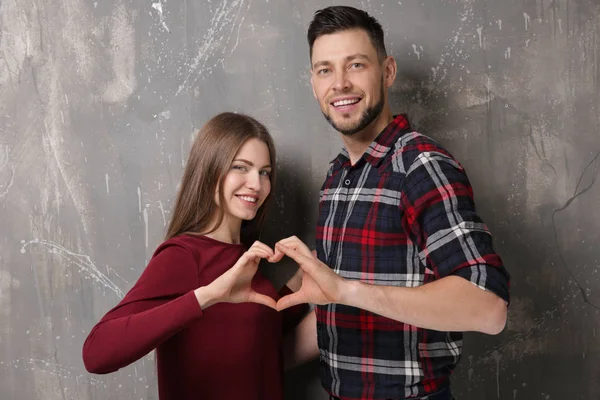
x=320, y=285
x=235, y=285
x=295, y=244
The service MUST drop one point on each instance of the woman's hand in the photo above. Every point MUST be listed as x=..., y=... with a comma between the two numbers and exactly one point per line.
x=235, y=285
x=319, y=284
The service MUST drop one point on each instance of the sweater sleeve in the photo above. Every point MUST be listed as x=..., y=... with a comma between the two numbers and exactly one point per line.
x=160, y=304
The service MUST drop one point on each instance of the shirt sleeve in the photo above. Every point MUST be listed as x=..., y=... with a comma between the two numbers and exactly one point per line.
x=439, y=216
x=159, y=305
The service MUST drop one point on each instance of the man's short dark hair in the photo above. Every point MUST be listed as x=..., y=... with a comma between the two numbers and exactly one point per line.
x=342, y=18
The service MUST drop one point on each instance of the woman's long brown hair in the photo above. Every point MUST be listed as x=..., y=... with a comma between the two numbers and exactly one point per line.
x=210, y=158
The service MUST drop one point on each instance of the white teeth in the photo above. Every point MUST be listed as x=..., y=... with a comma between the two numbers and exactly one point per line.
x=345, y=102
x=250, y=199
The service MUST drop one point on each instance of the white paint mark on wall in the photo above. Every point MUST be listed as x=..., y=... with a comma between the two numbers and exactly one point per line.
x=417, y=52
x=560, y=25
x=59, y=158
x=7, y=171
x=454, y=50
x=7, y=282
x=162, y=211
x=507, y=53
x=139, y=192
x=237, y=40
x=122, y=41
x=499, y=24
x=46, y=368
x=107, y=185
x=18, y=42
x=159, y=8
x=182, y=154
x=146, y=225
x=497, y=358
x=222, y=25
x=480, y=34
x=81, y=262
x=527, y=20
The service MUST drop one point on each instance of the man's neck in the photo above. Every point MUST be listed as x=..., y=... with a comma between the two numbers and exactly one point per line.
x=358, y=143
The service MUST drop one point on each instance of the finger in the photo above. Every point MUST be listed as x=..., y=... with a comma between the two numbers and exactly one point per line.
x=264, y=253
x=290, y=242
x=255, y=297
x=276, y=257
x=290, y=300
x=251, y=256
x=314, y=253
x=306, y=263
x=261, y=245
x=296, y=244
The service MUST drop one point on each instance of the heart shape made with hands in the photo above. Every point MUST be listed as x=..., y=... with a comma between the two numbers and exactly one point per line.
x=314, y=282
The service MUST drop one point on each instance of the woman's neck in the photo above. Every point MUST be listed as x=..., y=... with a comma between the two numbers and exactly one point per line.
x=228, y=232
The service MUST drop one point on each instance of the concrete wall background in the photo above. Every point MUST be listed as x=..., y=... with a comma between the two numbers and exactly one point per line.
x=99, y=102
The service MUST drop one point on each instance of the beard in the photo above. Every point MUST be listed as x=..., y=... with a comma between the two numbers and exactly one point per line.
x=368, y=115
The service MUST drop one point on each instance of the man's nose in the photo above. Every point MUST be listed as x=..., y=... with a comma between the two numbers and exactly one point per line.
x=341, y=82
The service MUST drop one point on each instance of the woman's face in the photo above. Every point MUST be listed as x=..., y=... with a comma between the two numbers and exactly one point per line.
x=248, y=181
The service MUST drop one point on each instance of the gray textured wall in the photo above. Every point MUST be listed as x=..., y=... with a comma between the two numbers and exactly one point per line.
x=99, y=101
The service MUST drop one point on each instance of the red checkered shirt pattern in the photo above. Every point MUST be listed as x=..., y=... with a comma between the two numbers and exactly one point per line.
x=403, y=215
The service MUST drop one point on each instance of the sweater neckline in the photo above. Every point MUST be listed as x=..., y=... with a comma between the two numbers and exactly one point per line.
x=214, y=241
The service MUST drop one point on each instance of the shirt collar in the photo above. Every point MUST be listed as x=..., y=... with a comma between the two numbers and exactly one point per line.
x=382, y=144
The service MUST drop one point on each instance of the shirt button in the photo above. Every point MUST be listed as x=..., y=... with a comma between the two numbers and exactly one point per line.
x=347, y=182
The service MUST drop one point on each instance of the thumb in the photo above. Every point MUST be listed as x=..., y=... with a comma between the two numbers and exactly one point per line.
x=262, y=299
x=290, y=300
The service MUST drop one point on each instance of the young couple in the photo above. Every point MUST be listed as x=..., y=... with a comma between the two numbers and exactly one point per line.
x=403, y=263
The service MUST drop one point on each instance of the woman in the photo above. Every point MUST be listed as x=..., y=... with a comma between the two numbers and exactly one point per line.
x=201, y=301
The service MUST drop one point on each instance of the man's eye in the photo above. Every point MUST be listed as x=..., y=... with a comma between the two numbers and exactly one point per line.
x=357, y=65
x=323, y=71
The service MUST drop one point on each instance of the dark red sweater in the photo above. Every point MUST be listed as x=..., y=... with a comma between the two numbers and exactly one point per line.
x=228, y=351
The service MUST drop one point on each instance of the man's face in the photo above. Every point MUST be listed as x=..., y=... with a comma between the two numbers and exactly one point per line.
x=348, y=80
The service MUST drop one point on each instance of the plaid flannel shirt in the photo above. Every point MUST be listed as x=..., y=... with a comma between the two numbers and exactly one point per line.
x=403, y=216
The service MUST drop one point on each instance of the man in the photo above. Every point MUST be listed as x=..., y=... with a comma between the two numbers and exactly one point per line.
x=405, y=264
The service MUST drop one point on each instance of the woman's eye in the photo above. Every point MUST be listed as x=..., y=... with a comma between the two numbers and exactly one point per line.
x=265, y=173
x=239, y=167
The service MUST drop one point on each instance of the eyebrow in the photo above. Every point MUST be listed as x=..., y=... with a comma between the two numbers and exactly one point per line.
x=250, y=163
x=347, y=59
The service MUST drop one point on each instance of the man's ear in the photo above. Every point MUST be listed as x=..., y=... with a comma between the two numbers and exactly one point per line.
x=389, y=70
